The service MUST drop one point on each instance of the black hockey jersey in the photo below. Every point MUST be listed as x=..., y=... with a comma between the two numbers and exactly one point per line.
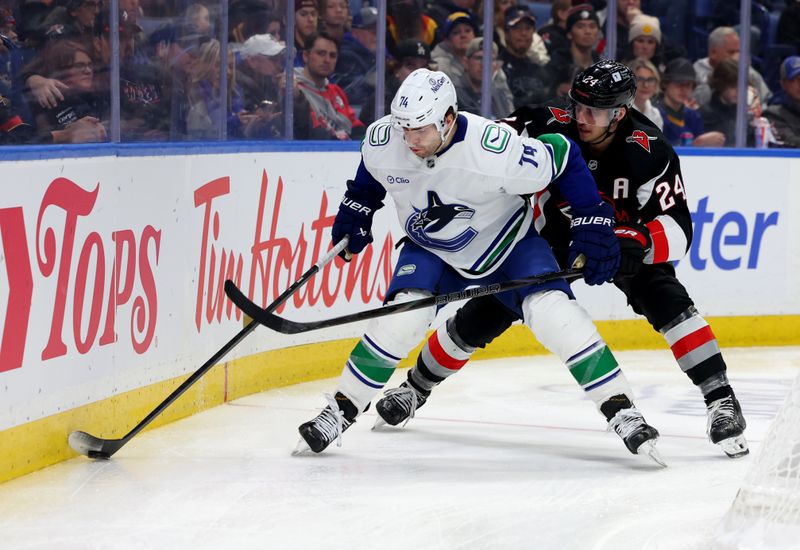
x=639, y=174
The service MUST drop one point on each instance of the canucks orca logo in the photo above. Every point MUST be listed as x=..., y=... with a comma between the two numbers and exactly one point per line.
x=434, y=218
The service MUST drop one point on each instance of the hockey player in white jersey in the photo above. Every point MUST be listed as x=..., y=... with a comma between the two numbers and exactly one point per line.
x=460, y=184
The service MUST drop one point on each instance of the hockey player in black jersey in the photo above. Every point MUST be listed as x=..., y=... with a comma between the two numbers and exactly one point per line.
x=638, y=172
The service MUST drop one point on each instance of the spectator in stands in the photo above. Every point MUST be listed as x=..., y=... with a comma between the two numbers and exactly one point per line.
x=405, y=20
x=468, y=87
x=75, y=20
x=355, y=68
x=145, y=98
x=322, y=110
x=626, y=11
x=335, y=17
x=441, y=10
x=449, y=54
x=30, y=23
x=648, y=80
x=583, y=31
x=409, y=55
x=644, y=40
x=15, y=131
x=198, y=20
x=537, y=52
x=682, y=123
x=12, y=58
x=554, y=34
x=789, y=25
x=204, y=106
x=71, y=63
x=276, y=27
x=306, y=22
x=248, y=18
x=719, y=114
x=723, y=44
x=528, y=82
x=8, y=31
x=784, y=112
x=258, y=76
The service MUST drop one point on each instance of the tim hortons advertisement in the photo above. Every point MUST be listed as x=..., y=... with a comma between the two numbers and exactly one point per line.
x=112, y=269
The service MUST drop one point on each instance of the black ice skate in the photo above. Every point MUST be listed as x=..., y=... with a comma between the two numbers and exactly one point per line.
x=726, y=426
x=399, y=405
x=327, y=426
x=626, y=420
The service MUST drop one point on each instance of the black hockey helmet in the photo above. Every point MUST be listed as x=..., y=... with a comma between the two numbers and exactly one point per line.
x=605, y=85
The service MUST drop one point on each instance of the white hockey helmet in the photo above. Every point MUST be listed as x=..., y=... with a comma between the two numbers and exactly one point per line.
x=424, y=98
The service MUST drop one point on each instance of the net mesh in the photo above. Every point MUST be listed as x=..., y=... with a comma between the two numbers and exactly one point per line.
x=766, y=511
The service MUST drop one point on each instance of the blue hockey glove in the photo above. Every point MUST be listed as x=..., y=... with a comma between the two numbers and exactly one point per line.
x=634, y=243
x=354, y=219
x=593, y=236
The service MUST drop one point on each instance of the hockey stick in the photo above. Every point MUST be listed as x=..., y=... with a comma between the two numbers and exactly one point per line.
x=97, y=447
x=285, y=326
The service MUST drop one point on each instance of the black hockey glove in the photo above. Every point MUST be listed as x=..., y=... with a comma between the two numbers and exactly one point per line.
x=634, y=243
x=593, y=236
x=354, y=219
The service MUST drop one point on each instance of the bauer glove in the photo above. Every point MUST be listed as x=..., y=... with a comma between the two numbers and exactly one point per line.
x=634, y=243
x=593, y=236
x=355, y=219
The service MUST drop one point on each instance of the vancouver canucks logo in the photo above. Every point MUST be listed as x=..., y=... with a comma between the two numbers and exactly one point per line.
x=435, y=217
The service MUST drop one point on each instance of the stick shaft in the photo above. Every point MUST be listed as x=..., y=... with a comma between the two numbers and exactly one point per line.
x=233, y=342
x=287, y=326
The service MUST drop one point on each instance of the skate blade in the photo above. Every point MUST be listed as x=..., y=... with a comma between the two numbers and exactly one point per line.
x=735, y=447
x=379, y=423
x=648, y=448
x=301, y=448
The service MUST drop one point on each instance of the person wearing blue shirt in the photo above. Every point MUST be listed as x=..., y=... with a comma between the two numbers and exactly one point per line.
x=682, y=124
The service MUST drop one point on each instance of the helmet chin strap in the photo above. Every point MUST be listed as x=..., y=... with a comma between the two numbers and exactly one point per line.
x=444, y=136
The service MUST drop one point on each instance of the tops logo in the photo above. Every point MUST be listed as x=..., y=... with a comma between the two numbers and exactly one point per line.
x=436, y=84
x=398, y=179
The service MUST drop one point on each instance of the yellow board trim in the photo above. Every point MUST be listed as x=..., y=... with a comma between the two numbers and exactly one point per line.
x=35, y=445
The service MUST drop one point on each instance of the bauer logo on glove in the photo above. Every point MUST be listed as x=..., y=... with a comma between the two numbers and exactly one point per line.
x=592, y=220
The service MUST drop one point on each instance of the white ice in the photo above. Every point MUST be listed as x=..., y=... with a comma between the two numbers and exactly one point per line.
x=507, y=454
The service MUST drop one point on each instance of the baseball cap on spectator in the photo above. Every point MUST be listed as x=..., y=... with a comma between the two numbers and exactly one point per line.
x=518, y=13
x=300, y=4
x=261, y=44
x=365, y=17
x=477, y=45
x=412, y=47
x=458, y=17
x=790, y=68
x=679, y=69
x=645, y=25
x=581, y=12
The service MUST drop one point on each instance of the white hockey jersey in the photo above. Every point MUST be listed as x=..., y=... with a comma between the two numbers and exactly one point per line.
x=465, y=203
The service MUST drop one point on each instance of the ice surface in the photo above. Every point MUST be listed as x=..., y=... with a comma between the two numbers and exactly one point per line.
x=507, y=454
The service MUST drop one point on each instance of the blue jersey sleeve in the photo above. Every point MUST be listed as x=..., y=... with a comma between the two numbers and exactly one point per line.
x=365, y=188
x=576, y=183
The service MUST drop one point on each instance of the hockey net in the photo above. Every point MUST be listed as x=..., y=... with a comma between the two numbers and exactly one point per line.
x=766, y=510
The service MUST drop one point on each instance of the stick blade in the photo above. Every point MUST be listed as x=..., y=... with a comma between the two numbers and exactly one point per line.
x=260, y=315
x=88, y=445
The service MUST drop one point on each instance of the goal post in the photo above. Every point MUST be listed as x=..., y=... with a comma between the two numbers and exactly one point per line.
x=766, y=511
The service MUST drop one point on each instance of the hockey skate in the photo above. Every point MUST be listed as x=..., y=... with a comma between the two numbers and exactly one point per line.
x=399, y=405
x=726, y=426
x=628, y=423
x=327, y=426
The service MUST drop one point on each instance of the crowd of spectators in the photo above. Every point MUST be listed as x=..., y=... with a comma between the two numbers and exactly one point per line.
x=55, y=61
